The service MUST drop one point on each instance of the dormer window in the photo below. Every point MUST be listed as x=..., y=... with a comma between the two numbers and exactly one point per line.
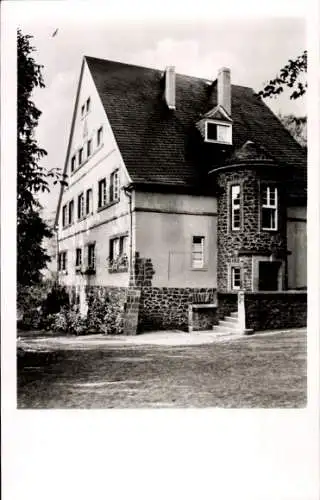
x=218, y=132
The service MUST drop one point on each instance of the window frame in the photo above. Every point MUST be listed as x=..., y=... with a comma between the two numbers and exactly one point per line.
x=73, y=163
x=234, y=268
x=114, y=187
x=272, y=208
x=64, y=215
x=235, y=208
x=79, y=254
x=88, y=105
x=99, y=136
x=202, y=252
x=71, y=212
x=88, y=211
x=102, y=200
x=80, y=214
x=80, y=156
x=91, y=258
x=62, y=261
x=218, y=123
x=89, y=148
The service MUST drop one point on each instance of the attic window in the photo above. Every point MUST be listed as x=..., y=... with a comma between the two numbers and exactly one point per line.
x=218, y=132
x=88, y=104
x=82, y=109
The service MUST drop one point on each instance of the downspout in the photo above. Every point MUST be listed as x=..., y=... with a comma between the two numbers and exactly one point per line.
x=128, y=192
x=56, y=230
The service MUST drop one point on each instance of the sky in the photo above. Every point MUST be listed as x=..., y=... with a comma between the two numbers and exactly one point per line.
x=254, y=47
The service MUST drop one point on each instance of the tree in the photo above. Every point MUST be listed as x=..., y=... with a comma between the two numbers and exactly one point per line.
x=297, y=126
x=290, y=76
x=32, y=178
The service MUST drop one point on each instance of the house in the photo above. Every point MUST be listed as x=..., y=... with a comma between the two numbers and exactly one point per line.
x=186, y=202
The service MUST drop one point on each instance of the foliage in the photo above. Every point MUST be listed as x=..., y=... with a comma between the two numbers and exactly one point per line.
x=32, y=178
x=297, y=126
x=104, y=315
x=69, y=320
x=56, y=299
x=290, y=76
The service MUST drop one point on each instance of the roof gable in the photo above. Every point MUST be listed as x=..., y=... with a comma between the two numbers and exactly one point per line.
x=163, y=146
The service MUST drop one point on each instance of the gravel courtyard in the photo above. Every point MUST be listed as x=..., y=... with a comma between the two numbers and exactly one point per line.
x=260, y=371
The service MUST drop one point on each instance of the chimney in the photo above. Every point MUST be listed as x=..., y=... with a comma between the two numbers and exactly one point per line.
x=224, y=89
x=170, y=87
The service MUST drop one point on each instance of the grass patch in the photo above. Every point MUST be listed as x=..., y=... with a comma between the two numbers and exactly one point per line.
x=267, y=371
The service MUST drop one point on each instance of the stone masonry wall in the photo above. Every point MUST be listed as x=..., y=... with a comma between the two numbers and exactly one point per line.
x=167, y=308
x=227, y=303
x=273, y=310
x=250, y=237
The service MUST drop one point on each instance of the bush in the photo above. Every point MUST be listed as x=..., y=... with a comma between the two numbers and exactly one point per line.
x=104, y=315
x=56, y=299
x=69, y=321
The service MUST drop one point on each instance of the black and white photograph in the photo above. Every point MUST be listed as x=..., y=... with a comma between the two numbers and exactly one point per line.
x=162, y=195
x=162, y=213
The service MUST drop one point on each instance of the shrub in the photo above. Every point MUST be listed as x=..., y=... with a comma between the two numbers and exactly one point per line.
x=56, y=299
x=69, y=321
x=104, y=315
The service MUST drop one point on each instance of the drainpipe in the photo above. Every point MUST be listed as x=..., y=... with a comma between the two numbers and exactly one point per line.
x=56, y=230
x=128, y=192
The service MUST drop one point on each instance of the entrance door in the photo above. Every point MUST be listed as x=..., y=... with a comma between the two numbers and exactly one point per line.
x=268, y=276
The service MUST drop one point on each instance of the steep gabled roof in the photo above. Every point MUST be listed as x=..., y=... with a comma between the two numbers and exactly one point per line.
x=160, y=146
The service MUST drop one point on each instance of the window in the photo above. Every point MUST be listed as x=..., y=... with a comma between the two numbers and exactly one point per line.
x=82, y=109
x=80, y=156
x=89, y=203
x=114, y=186
x=71, y=212
x=118, y=247
x=197, y=252
x=102, y=193
x=91, y=256
x=218, y=132
x=235, y=278
x=80, y=206
x=269, y=208
x=99, y=136
x=62, y=261
x=89, y=147
x=235, y=208
x=73, y=163
x=64, y=215
x=78, y=257
x=88, y=103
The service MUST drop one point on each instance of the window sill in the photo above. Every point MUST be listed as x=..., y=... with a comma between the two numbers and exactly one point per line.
x=205, y=268
x=63, y=273
x=120, y=269
x=67, y=226
x=269, y=229
x=108, y=205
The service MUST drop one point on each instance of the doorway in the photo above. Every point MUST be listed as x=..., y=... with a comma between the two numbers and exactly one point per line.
x=269, y=276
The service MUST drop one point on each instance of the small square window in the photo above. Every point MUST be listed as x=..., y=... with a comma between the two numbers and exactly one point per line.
x=212, y=133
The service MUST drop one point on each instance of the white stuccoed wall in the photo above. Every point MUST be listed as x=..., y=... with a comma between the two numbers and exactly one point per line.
x=101, y=225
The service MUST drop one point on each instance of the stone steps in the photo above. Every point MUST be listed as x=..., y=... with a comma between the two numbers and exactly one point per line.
x=228, y=325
